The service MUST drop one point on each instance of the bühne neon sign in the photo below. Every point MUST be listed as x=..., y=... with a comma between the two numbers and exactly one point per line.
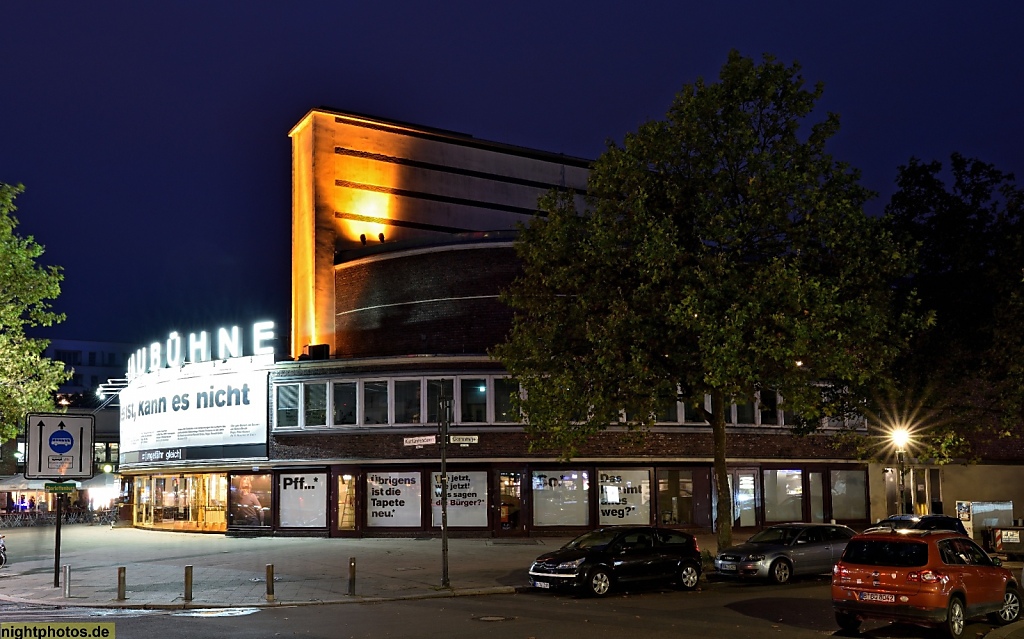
x=174, y=354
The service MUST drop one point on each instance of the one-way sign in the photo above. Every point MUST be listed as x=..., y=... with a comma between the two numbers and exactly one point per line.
x=58, y=446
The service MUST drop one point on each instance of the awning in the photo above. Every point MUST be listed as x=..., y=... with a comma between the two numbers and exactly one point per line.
x=19, y=483
x=103, y=480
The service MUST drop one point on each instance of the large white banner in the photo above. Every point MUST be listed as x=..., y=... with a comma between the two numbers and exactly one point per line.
x=166, y=412
x=393, y=499
x=467, y=499
x=303, y=500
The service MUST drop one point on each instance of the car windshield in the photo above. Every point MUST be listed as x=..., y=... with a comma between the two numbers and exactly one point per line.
x=593, y=539
x=877, y=552
x=780, y=535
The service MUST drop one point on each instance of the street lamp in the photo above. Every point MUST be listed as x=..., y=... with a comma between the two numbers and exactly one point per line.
x=900, y=437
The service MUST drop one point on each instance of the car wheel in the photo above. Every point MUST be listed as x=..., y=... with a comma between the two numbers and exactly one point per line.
x=689, y=576
x=599, y=582
x=955, y=618
x=847, y=621
x=1010, y=611
x=781, y=571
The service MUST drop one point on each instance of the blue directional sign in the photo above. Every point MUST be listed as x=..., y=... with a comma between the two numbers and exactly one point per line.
x=59, y=446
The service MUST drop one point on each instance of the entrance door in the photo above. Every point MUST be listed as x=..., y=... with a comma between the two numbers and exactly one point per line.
x=510, y=516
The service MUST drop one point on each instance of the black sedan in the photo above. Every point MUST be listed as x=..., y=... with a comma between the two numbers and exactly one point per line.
x=602, y=559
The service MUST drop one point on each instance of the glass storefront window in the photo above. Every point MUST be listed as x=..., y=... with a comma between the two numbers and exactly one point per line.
x=467, y=499
x=407, y=401
x=249, y=500
x=435, y=389
x=287, y=405
x=344, y=403
x=849, y=494
x=375, y=402
x=314, y=404
x=393, y=499
x=302, y=500
x=561, y=498
x=675, y=497
x=473, y=406
x=504, y=388
x=625, y=497
x=181, y=502
x=783, y=495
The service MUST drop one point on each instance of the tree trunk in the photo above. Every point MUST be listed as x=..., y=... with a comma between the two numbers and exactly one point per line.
x=723, y=514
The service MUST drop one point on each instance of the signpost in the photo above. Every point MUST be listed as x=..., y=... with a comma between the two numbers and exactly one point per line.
x=58, y=446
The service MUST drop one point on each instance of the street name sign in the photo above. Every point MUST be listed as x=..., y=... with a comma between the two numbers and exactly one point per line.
x=424, y=440
x=62, y=488
x=59, y=446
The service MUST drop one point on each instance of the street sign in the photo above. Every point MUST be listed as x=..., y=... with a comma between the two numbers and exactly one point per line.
x=464, y=440
x=424, y=440
x=59, y=487
x=59, y=446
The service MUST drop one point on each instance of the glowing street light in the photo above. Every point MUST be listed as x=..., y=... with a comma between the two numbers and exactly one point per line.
x=900, y=439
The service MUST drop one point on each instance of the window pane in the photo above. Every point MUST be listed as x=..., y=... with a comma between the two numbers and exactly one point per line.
x=745, y=413
x=504, y=389
x=375, y=402
x=693, y=413
x=249, y=500
x=625, y=497
x=849, y=494
x=783, y=495
x=668, y=410
x=675, y=496
x=561, y=498
x=315, y=404
x=287, y=405
x=474, y=400
x=768, y=405
x=407, y=401
x=344, y=403
x=435, y=388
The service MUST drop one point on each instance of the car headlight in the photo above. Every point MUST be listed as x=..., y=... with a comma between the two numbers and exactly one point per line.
x=565, y=565
x=755, y=558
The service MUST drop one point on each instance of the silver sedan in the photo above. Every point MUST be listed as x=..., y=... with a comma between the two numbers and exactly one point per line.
x=780, y=552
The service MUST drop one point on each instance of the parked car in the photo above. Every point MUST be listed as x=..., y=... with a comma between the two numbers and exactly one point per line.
x=606, y=558
x=921, y=522
x=782, y=551
x=927, y=577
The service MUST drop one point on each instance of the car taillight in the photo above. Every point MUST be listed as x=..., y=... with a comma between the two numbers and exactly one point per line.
x=927, y=577
x=840, y=570
x=696, y=546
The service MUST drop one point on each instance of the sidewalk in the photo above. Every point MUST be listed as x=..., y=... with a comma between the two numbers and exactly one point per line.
x=231, y=571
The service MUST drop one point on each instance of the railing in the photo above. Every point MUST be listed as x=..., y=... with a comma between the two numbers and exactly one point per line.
x=20, y=519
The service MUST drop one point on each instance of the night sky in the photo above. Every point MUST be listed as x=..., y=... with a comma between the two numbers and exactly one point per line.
x=152, y=138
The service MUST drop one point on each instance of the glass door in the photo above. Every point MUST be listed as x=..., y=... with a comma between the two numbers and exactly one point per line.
x=511, y=517
x=744, y=497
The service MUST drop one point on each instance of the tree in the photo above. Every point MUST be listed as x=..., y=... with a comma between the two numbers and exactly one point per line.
x=28, y=381
x=967, y=370
x=718, y=252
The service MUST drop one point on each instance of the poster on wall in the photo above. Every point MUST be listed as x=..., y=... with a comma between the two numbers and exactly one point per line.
x=393, y=499
x=467, y=499
x=303, y=499
x=561, y=498
x=625, y=497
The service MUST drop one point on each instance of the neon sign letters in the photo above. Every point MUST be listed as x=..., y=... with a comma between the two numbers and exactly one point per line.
x=174, y=353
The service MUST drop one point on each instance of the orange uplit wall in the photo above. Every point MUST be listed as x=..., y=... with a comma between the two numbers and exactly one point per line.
x=357, y=182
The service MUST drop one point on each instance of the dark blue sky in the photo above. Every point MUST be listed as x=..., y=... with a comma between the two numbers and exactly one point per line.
x=153, y=142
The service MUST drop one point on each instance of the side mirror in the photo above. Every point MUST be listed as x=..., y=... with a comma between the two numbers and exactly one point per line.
x=996, y=561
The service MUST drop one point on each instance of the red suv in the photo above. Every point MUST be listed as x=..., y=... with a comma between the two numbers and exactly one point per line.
x=926, y=577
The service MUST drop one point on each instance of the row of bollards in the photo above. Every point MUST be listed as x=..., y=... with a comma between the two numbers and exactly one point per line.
x=122, y=581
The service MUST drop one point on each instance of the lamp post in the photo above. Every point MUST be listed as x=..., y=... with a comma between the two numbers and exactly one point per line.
x=900, y=437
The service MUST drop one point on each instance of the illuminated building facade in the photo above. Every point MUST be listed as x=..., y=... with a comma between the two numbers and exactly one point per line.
x=402, y=239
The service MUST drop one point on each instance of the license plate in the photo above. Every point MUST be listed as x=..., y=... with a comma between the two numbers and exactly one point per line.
x=876, y=596
x=728, y=567
x=541, y=584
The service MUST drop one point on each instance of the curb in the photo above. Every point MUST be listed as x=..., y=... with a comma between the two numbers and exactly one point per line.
x=126, y=605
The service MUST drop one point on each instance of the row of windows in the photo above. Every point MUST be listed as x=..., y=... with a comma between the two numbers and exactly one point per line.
x=475, y=400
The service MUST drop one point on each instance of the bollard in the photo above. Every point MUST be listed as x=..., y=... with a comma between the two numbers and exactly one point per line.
x=120, y=583
x=188, y=583
x=351, y=576
x=67, y=581
x=270, y=582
